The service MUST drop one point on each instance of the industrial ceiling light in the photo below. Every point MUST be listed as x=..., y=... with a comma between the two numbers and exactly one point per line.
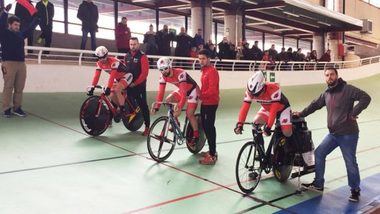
x=324, y=23
x=291, y=14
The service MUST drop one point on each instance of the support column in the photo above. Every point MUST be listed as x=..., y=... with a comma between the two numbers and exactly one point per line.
x=201, y=18
x=334, y=41
x=319, y=43
x=233, y=25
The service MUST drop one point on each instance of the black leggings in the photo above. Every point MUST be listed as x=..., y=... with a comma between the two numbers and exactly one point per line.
x=139, y=93
x=208, y=113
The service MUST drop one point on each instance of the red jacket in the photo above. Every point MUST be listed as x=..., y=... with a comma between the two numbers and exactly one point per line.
x=122, y=38
x=210, y=86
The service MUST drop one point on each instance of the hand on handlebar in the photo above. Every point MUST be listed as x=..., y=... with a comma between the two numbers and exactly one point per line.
x=239, y=128
x=267, y=130
x=90, y=91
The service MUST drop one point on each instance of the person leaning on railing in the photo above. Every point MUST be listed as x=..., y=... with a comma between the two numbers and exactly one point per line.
x=13, y=65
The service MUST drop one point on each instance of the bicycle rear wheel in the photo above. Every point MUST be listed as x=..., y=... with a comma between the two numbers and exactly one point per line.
x=282, y=161
x=94, y=116
x=189, y=135
x=161, y=141
x=248, y=167
x=133, y=118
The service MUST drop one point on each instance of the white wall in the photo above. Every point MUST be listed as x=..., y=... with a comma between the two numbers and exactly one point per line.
x=71, y=78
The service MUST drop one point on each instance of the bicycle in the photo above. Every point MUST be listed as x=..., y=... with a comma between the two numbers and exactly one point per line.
x=166, y=132
x=96, y=114
x=258, y=159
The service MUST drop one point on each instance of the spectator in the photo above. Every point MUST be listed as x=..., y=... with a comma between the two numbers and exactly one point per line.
x=283, y=56
x=25, y=20
x=213, y=53
x=46, y=13
x=246, y=51
x=193, y=52
x=342, y=113
x=289, y=54
x=269, y=62
x=183, y=44
x=272, y=52
x=326, y=57
x=164, y=37
x=299, y=56
x=198, y=38
x=122, y=36
x=137, y=63
x=89, y=15
x=313, y=56
x=239, y=51
x=256, y=51
x=224, y=48
x=150, y=41
x=232, y=51
x=13, y=57
x=209, y=104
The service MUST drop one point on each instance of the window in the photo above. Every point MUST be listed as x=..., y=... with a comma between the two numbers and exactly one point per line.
x=305, y=46
x=290, y=43
x=273, y=39
x=253, y=36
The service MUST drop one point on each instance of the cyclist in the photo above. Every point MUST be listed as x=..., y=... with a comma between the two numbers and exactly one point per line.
x=120, y=78
x=274, y=105
x=188, y=90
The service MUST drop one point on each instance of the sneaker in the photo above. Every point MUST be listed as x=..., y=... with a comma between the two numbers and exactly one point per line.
x=7, y=113
x=203, y=154
x=146, y=131
x=19, y=112
x=208, y=160
x=354, y=196
x=312, y=186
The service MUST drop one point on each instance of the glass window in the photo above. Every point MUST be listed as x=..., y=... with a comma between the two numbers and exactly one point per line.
x=273, y=39
x=290, y=43
x=173, y=21
x=305, y=46
x=253, y=36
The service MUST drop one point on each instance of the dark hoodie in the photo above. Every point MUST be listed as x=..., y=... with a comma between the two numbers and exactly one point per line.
x=339, y=101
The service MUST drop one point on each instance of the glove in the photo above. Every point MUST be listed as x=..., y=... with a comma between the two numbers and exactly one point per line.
x=239, y=128
x=90, y=91
x=8, y=7
x=267, y=131
x=107, y=92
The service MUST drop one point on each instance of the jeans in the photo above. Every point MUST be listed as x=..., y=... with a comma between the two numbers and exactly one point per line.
x=347, y=144
x=84, y=39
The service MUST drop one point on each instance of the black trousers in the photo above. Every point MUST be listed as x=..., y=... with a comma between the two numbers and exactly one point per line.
x=47, y=33
x=208, y=114
x=139, y=93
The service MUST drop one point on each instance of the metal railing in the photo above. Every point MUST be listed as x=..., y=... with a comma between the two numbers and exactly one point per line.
x=81, y=57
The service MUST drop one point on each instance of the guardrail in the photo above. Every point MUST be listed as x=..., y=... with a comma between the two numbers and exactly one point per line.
x=187, y=63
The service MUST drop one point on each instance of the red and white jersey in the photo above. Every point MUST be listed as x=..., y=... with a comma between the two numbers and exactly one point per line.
x=271, y=99
x=182, y=80
x=112, y=66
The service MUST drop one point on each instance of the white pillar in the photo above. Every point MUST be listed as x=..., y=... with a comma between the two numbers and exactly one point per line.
x=319, y=44
x=233, y=25
x=197, y=18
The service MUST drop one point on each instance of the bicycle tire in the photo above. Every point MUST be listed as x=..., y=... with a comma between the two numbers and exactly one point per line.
x=282, y=162
x=189, y=134
x=252, y=157
x=152, y=136
x=92, y=125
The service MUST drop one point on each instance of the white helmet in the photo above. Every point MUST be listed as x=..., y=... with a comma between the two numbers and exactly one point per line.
x=101, y=52
x=163, y=64
x=256, y=83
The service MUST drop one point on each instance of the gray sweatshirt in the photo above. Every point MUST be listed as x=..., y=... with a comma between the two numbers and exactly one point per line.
x=339, y=101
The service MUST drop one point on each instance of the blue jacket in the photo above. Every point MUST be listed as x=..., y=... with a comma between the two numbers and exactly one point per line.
x=12, y=43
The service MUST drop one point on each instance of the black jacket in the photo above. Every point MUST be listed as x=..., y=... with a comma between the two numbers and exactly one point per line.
x=12, y=43
x=183, y=45
x=339, y=102
x=24, y=15
x=89, y=15
x=224, y=50
x=163, y=42
x=45, y=13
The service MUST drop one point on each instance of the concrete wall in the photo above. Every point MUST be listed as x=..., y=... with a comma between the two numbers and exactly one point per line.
x=72, y=78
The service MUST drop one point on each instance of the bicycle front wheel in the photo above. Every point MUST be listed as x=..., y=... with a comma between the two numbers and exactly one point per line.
x=161, y=139
x=248, y=167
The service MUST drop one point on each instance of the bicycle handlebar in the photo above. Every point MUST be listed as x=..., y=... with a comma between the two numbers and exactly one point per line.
x=256, y=126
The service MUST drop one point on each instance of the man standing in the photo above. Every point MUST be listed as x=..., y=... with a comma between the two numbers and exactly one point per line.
x=13, y=65
x=138, y=65
x=46, y=13
x=26, y=19
x=210, y=100
x=164, y=37
x=89, y=15
x=339, y=100
x=198, y=39
x=183, y=44
x=122, y=35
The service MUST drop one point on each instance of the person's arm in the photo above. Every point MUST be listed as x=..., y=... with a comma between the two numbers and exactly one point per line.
x=213, y=82
x=160, y=93
x=118, y=32
x=111, y=80
x=3, y=24
x=144, y=70
x=314, y=106
x=52, y=10
x=363, y=100
x=96, y=14
x=182, y=92
x=244, y=111
x=31, y=27
x=80, y=12
x=95, y=80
